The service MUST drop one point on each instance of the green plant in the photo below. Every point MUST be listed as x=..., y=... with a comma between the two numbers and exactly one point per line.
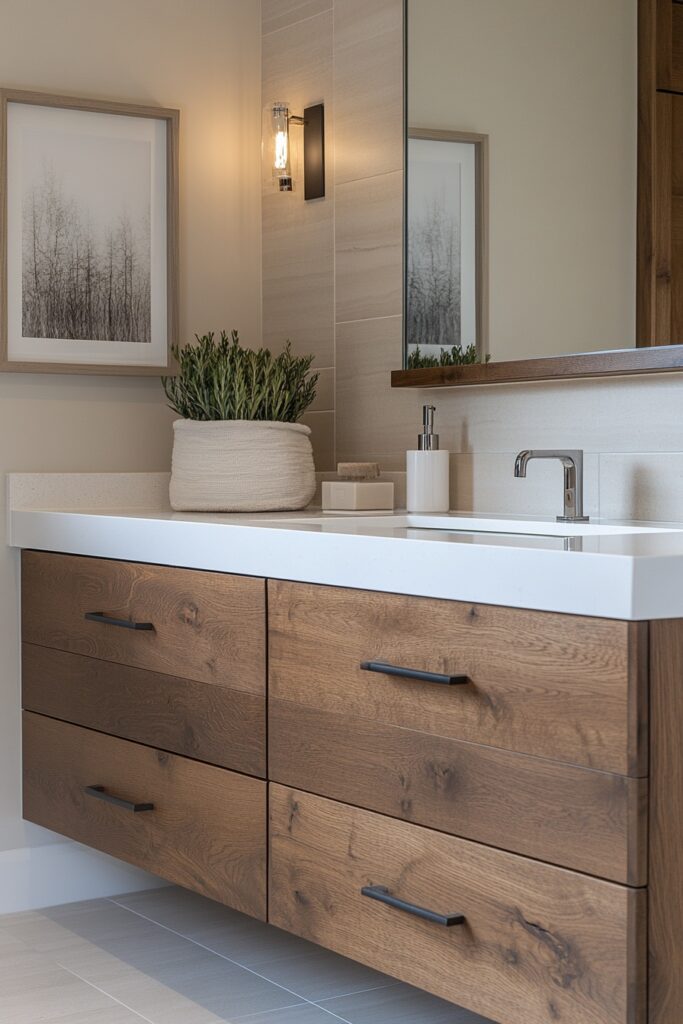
x=455, y=356
x=220, y=380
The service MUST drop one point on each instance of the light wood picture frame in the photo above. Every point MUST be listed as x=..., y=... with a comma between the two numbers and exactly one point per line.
x=88, y=235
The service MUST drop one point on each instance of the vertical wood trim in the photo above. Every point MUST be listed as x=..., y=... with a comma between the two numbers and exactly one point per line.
x=645, y=244
x=638, y=698
x=662, y=204
x=665, y=926
x=664, y=30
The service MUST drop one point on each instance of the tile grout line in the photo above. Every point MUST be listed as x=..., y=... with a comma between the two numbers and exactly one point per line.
x=92, y=985
x=236, y=963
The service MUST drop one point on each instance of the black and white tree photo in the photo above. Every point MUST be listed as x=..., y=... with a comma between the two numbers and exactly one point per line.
x=86, y=240
x=441, y=256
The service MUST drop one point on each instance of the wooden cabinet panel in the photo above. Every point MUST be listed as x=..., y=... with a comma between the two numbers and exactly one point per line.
x=670, y=45
x=666, y=828
x=538, y=943
x=559, y=686
x=206, y=626
x=577, y=817
x=206, y=721
x=207, y=828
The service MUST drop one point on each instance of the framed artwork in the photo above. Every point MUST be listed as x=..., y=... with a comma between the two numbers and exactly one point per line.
x=446, y=242
x=88, y=235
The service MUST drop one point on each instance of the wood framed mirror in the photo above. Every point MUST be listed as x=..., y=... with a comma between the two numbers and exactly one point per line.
x=581, y=241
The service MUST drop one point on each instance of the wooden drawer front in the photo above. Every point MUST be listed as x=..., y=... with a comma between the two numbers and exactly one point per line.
x=539, y=944
x=201, y=720
x=581, y=818
x=206, y=626
x=559, y=686
x=206, y=831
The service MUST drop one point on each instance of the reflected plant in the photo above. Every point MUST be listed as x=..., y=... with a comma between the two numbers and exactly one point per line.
x=454, y=356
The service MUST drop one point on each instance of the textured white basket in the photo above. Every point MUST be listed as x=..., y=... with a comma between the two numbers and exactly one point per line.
x=241, y=466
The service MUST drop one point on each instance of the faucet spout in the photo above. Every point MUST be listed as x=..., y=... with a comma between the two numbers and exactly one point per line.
x=572, y=462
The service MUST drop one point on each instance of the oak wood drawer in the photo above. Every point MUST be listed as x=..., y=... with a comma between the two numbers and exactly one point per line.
x=538, y=943
x=206, y=721
x=206, y=626
x=578, y=817
x=559, y=686
x=207, y=828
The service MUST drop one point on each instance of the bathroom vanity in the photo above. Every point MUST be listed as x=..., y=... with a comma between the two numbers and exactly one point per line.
x=480, y=795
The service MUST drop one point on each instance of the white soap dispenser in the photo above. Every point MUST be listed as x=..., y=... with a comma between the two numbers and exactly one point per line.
x=427, y=470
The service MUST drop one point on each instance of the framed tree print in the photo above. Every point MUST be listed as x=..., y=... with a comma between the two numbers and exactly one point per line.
x=88, y=235
x=446, y=245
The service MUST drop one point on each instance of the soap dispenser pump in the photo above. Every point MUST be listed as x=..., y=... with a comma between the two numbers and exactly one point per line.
x=427, y=470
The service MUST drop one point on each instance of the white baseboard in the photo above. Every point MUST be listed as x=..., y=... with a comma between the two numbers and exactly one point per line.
x=64, y=872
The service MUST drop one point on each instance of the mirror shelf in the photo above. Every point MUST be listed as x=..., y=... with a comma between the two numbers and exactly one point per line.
x=618, y=363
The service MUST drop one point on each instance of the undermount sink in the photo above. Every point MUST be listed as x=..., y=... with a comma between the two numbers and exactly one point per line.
x=453, y=522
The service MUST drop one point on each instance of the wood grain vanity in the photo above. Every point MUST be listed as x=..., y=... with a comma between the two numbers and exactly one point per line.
x=482, y=801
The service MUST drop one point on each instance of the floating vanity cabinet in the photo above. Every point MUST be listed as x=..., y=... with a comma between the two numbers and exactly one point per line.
x=482, y=801
x=142, y=686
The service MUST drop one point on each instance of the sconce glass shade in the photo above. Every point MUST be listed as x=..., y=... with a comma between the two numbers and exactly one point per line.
x=281, y=165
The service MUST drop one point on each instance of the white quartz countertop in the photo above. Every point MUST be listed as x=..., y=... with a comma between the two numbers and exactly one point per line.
x=608, y=569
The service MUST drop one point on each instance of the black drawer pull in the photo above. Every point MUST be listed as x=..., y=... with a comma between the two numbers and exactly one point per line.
x=413, y=673
x=100, y=793
x=109, y=620
x=379, y=892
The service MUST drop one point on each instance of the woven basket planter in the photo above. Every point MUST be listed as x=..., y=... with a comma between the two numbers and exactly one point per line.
x=241, y=466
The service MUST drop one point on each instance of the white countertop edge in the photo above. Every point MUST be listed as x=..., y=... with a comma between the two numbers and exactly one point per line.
x=544, y=580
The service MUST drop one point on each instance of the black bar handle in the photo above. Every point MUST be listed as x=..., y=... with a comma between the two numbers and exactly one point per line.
x=109, y=620
x=100, y=793
x=413, y=673
x=381, y=893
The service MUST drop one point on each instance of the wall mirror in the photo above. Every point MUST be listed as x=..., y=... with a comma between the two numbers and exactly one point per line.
x=542, y=173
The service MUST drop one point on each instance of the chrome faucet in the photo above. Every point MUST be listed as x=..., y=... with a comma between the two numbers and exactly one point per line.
x=572, y=461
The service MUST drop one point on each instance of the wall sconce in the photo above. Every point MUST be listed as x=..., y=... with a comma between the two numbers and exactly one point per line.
x=313, y=122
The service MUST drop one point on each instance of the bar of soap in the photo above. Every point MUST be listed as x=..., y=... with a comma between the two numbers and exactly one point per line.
x=358, y=470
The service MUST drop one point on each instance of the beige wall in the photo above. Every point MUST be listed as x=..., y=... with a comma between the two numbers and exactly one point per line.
x=202, y=56
x=631, y=429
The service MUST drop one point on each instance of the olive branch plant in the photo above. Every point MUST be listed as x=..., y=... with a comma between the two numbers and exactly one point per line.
x=221, y=380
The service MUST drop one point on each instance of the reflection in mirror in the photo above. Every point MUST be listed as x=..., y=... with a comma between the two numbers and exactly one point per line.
x=521, y=178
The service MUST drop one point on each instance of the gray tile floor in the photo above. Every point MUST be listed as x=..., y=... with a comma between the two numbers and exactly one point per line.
x=170, y=957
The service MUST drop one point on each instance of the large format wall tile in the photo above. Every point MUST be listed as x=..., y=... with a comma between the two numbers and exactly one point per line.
x=298, y=275
x=298, y=236
x=322, y=438
x=646, y=485
x=277, y=14
x=369, y=248
x=373, y=422
x=368, y=84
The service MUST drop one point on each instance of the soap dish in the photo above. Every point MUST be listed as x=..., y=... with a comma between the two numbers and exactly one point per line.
x=358, y=489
